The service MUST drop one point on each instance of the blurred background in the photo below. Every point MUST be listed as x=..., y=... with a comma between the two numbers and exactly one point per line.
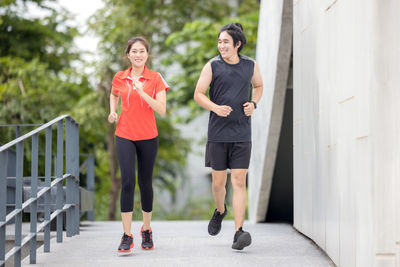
x=59, y=57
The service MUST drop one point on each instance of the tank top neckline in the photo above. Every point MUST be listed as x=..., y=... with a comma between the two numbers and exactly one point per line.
x=223, y=60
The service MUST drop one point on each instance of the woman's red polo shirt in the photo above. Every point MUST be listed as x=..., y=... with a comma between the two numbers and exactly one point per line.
x=137, y=121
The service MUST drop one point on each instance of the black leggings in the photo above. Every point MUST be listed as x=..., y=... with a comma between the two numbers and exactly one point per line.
x=146, y=151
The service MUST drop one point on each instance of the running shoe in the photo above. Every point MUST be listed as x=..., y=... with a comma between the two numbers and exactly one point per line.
x=147, y=239
x=125, y=248
x=214, y=226
x=241, y=239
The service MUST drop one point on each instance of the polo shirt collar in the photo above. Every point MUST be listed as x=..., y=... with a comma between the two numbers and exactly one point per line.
x=146, y=73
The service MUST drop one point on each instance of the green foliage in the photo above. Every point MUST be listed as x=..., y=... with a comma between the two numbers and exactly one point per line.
x=47, y=39
x=116, y=23
x=38, y=82
x=119, y=20
x=198, y=40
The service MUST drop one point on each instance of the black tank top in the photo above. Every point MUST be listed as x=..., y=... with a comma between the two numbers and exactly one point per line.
x=230, y=85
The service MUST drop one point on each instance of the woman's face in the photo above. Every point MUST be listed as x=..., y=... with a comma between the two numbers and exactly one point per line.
x=138, y=55
x=225, y=45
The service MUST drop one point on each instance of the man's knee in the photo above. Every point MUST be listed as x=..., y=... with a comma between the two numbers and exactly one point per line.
x=218, y=185
x=238, y=180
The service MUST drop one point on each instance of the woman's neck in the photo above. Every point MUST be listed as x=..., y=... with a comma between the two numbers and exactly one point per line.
x=137, y=71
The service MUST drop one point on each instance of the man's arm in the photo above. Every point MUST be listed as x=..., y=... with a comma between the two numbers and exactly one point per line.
x=256, y=81
x=200, y=93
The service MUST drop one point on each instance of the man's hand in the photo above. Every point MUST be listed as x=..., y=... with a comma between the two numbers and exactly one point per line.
x=113, y=117
x=248, y=108
x=222, y=111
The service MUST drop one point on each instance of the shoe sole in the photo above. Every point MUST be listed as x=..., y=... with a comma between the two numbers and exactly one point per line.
x=243, y=241
x=214, y=233
x=124, y=253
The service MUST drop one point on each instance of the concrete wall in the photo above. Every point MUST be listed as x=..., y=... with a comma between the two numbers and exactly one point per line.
x=347, y=128
x=274, y=46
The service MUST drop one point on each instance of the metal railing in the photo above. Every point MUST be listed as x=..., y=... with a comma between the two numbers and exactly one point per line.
x=70, y=176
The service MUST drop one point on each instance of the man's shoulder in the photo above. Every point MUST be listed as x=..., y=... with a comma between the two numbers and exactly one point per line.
x=246, y=58
x=215, y=59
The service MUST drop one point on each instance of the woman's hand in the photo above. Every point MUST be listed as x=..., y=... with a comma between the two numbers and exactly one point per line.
x=113, y=117
x=138, y=85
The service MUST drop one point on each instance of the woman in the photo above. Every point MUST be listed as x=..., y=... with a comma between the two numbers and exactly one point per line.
x=142, y=91
x=229, y=76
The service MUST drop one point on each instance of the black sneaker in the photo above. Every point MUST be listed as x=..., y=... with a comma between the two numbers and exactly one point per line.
x=241, y=239
x=214, y=226
x=125, y=248
x=147, y=239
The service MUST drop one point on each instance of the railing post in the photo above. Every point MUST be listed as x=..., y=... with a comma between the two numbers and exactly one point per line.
x=34, y=186
x=69, y=169
x=77, y=188
x=3, y=212
x=59, y=174
x=17, y=131
x=18, y=202
x=47, y=184
x=90, y=183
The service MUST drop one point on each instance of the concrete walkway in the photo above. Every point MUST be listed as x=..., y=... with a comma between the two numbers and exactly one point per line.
x=184, y=243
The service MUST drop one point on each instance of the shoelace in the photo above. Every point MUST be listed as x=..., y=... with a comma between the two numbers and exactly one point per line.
x=218, y=216
x=125, y=238
x=147, y=236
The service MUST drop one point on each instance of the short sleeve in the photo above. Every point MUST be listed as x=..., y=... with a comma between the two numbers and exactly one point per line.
x=161, y=84
x=116, y=84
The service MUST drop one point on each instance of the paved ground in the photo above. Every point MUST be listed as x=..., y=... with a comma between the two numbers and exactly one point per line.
x=184, y=243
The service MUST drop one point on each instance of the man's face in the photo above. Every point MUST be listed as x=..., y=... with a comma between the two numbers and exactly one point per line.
x=225, y=45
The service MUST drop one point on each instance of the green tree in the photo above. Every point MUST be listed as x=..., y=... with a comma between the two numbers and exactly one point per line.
x=37, y=82
x=199, y=41
x=117, y=22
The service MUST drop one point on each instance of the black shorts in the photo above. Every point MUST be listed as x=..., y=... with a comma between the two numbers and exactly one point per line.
x=222, y=156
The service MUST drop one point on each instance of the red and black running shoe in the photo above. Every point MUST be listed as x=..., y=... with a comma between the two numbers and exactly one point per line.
x=147, y=239
x=125, y=248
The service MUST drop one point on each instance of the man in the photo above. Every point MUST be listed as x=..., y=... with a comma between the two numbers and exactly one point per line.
x=229, y=76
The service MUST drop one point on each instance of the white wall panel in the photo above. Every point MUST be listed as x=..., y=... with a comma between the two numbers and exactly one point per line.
x=347, y=128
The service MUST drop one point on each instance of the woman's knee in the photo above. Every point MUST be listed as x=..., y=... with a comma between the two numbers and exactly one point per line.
x=127, y=188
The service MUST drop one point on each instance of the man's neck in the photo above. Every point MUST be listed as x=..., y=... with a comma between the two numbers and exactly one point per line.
x=233, y=59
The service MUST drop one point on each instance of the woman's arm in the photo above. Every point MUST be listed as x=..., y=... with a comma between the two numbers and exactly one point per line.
x=159, y=104
x=113, y=117
x=200, y=93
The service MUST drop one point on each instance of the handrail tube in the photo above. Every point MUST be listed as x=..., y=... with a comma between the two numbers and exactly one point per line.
x=37, y=130
x=70, y=208
x=23, y=125
x=12, y=214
